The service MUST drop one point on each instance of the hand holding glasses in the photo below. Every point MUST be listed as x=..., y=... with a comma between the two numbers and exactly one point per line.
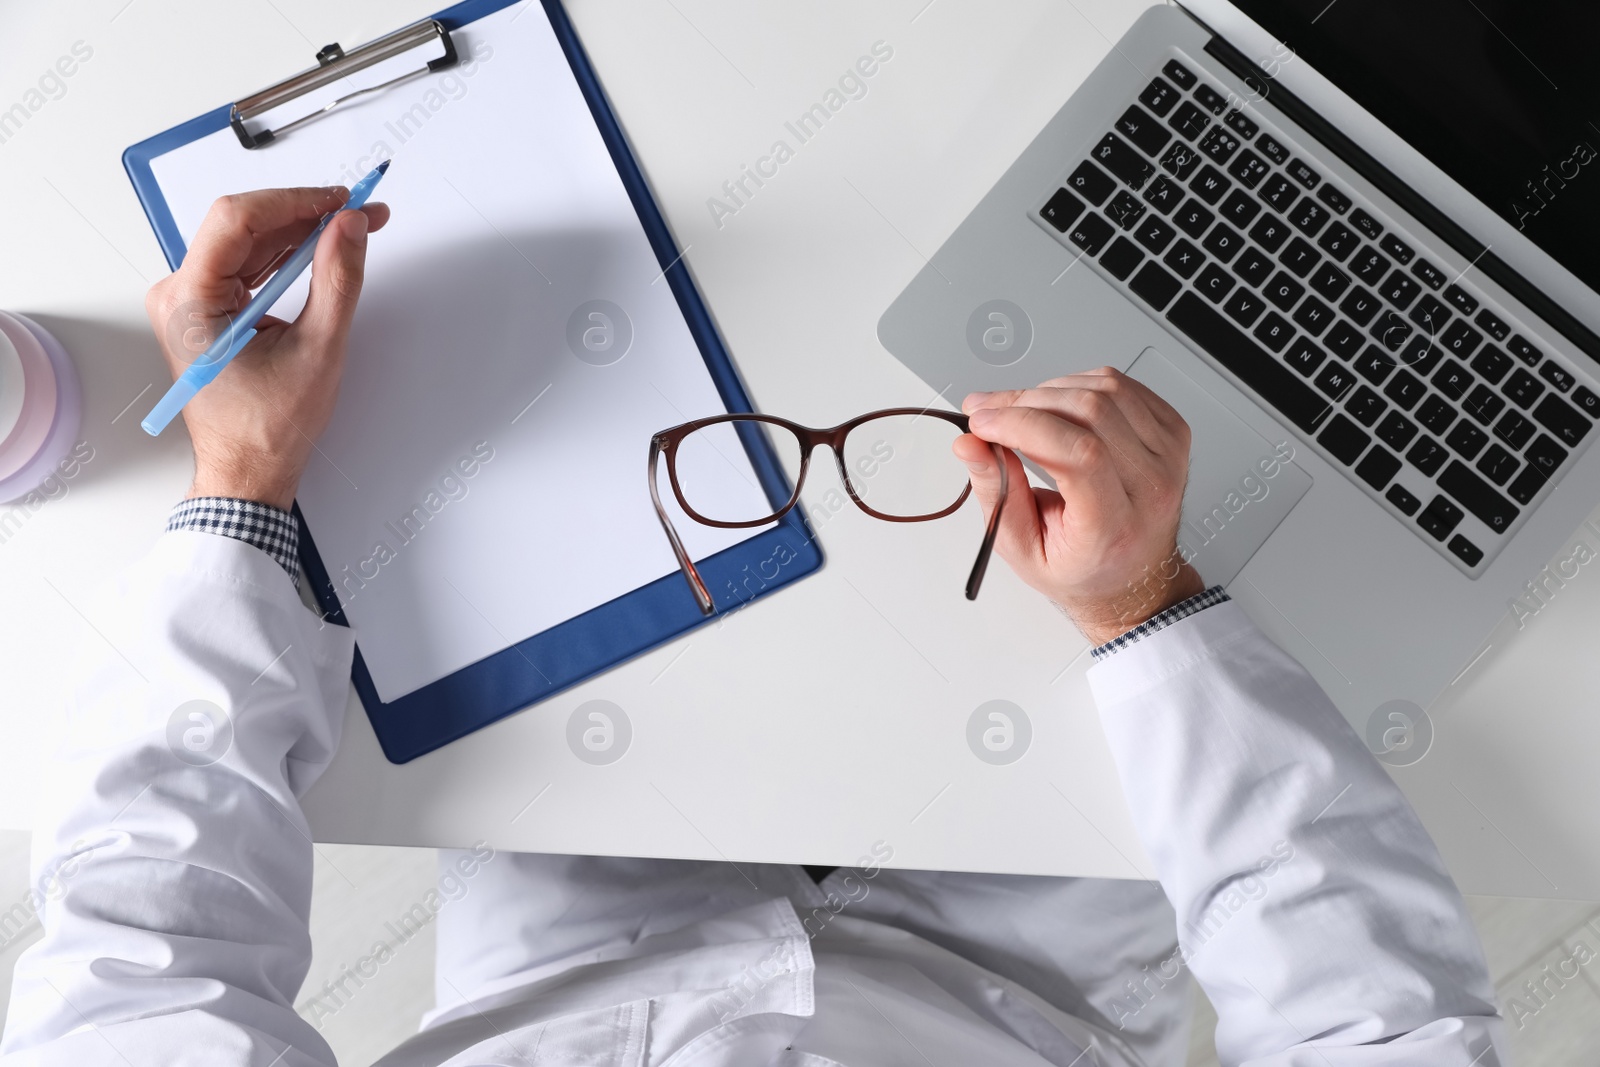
x=896, y=464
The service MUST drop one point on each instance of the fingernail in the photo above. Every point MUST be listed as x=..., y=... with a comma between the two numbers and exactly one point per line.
x=978, y=468
x=982, y=417
x=973, y=400
x=356, y=229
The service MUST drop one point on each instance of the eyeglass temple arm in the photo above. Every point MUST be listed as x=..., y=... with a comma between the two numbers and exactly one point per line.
x=697, y=585
x=981, y=565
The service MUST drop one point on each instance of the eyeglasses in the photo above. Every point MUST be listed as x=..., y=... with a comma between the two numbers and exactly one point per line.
x=895, y=464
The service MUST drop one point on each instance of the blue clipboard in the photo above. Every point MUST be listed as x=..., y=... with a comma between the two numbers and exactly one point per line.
x=564, y=655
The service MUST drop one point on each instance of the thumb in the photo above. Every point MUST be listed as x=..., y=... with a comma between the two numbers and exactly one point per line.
x=1021, y=529
x=336, y=277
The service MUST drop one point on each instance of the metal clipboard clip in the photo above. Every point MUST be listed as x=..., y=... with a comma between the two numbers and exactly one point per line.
x=334, y=63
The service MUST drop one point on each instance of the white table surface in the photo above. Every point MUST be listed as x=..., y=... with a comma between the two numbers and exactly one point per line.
x=823, y=719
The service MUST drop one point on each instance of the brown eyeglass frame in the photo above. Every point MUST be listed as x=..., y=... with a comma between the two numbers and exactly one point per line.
x=666, y=444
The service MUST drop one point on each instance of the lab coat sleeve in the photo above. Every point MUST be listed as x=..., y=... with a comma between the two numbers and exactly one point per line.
x=175, y=869
x=1312, y=906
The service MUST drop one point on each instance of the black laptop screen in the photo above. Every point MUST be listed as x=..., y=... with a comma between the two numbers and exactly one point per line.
x=1502, y=95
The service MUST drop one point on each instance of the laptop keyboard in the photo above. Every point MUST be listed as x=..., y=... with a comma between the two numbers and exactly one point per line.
x=1406, y=378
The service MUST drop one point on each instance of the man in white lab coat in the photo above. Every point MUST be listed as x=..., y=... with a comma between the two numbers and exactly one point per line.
x=1304, y=895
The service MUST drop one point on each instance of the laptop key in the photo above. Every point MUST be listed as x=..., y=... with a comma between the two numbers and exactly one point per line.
x=1270, y=232
x=1155, y=234
x=1468, y=552
x=1344, y=340
x=1330, y=282
x=1236, y=121
x=1091, y=183
x=1484, y=404
x=1062, y=210
x=1396, y=431
x=1121, y=258
x=1440, y=517
x=1492, y=326
x=1114, y=155
x=1523, y=388
x=1337, y=202
x=1344, y=439
x=1405, y=389
x=1452, y=379
x=1155, y=285
x=1514, y=429
x=1360, y=306
x=1369, y=266
x=1378, y=467
x=1180, y=75
x=1546, y=455
x=1283, y=291
x=1159, y=96
x=1461, y=300
x=1180, y=161
x=1460, y=339
x=1313, y=316
x=1587, y=401
x=1209, y=185
x=1240, y=209
x=1375, y=365
x=1365, y=407
x=1302, y=173
x=1274, y=332
x=1466, y=439
x=1125, y=209
x=1392, y=330
x=1498, y=465
x=1369, y=226
x=1431, y=276
x=1478, y=497
x=1399, y=290
x=1272, y=149
x=1524, y=351
x=1249, y=168
x=1402, y=499
x=1525, y=486
x=1304, y=356
x=1219, y=144
x=1214, y=283
x=1254, y=266
x=1432, y=316
x=1436, y=415
x=1244, y=307
x=1193, y=218
x=1223, y=242
x=1163, y=194
x=1309, y=216
x=1339, y=240
x=1427, y=455
x=1091, y=234
x=1335, y=381
x=1421, y=355
x=1557, y=377
x=1299, y=257
x=1562, y=420
x=1397, y=249
x=1210, y=99
x=1189, y=120
x=1279, y=192
x=1275, y=383
x=1138, y=126
x=1491, y=363
x=1184, y=259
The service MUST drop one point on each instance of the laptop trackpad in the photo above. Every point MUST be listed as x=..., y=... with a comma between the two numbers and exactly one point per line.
x=1240, y=484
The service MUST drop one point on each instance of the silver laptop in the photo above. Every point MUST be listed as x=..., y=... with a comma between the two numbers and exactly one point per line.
x=1357, y=245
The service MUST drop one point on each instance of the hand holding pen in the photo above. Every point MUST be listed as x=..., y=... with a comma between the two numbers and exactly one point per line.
x=253, y=427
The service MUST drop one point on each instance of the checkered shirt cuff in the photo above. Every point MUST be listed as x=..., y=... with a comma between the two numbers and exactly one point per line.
x=270, y=529
x=1182, y=610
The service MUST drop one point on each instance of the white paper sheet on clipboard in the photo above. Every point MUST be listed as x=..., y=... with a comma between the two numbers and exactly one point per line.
x=480, y=482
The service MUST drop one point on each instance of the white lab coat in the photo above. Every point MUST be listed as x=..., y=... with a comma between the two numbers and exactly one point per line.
x=1310, y=904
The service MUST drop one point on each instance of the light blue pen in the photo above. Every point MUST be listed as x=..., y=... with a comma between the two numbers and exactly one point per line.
x=243, y=327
